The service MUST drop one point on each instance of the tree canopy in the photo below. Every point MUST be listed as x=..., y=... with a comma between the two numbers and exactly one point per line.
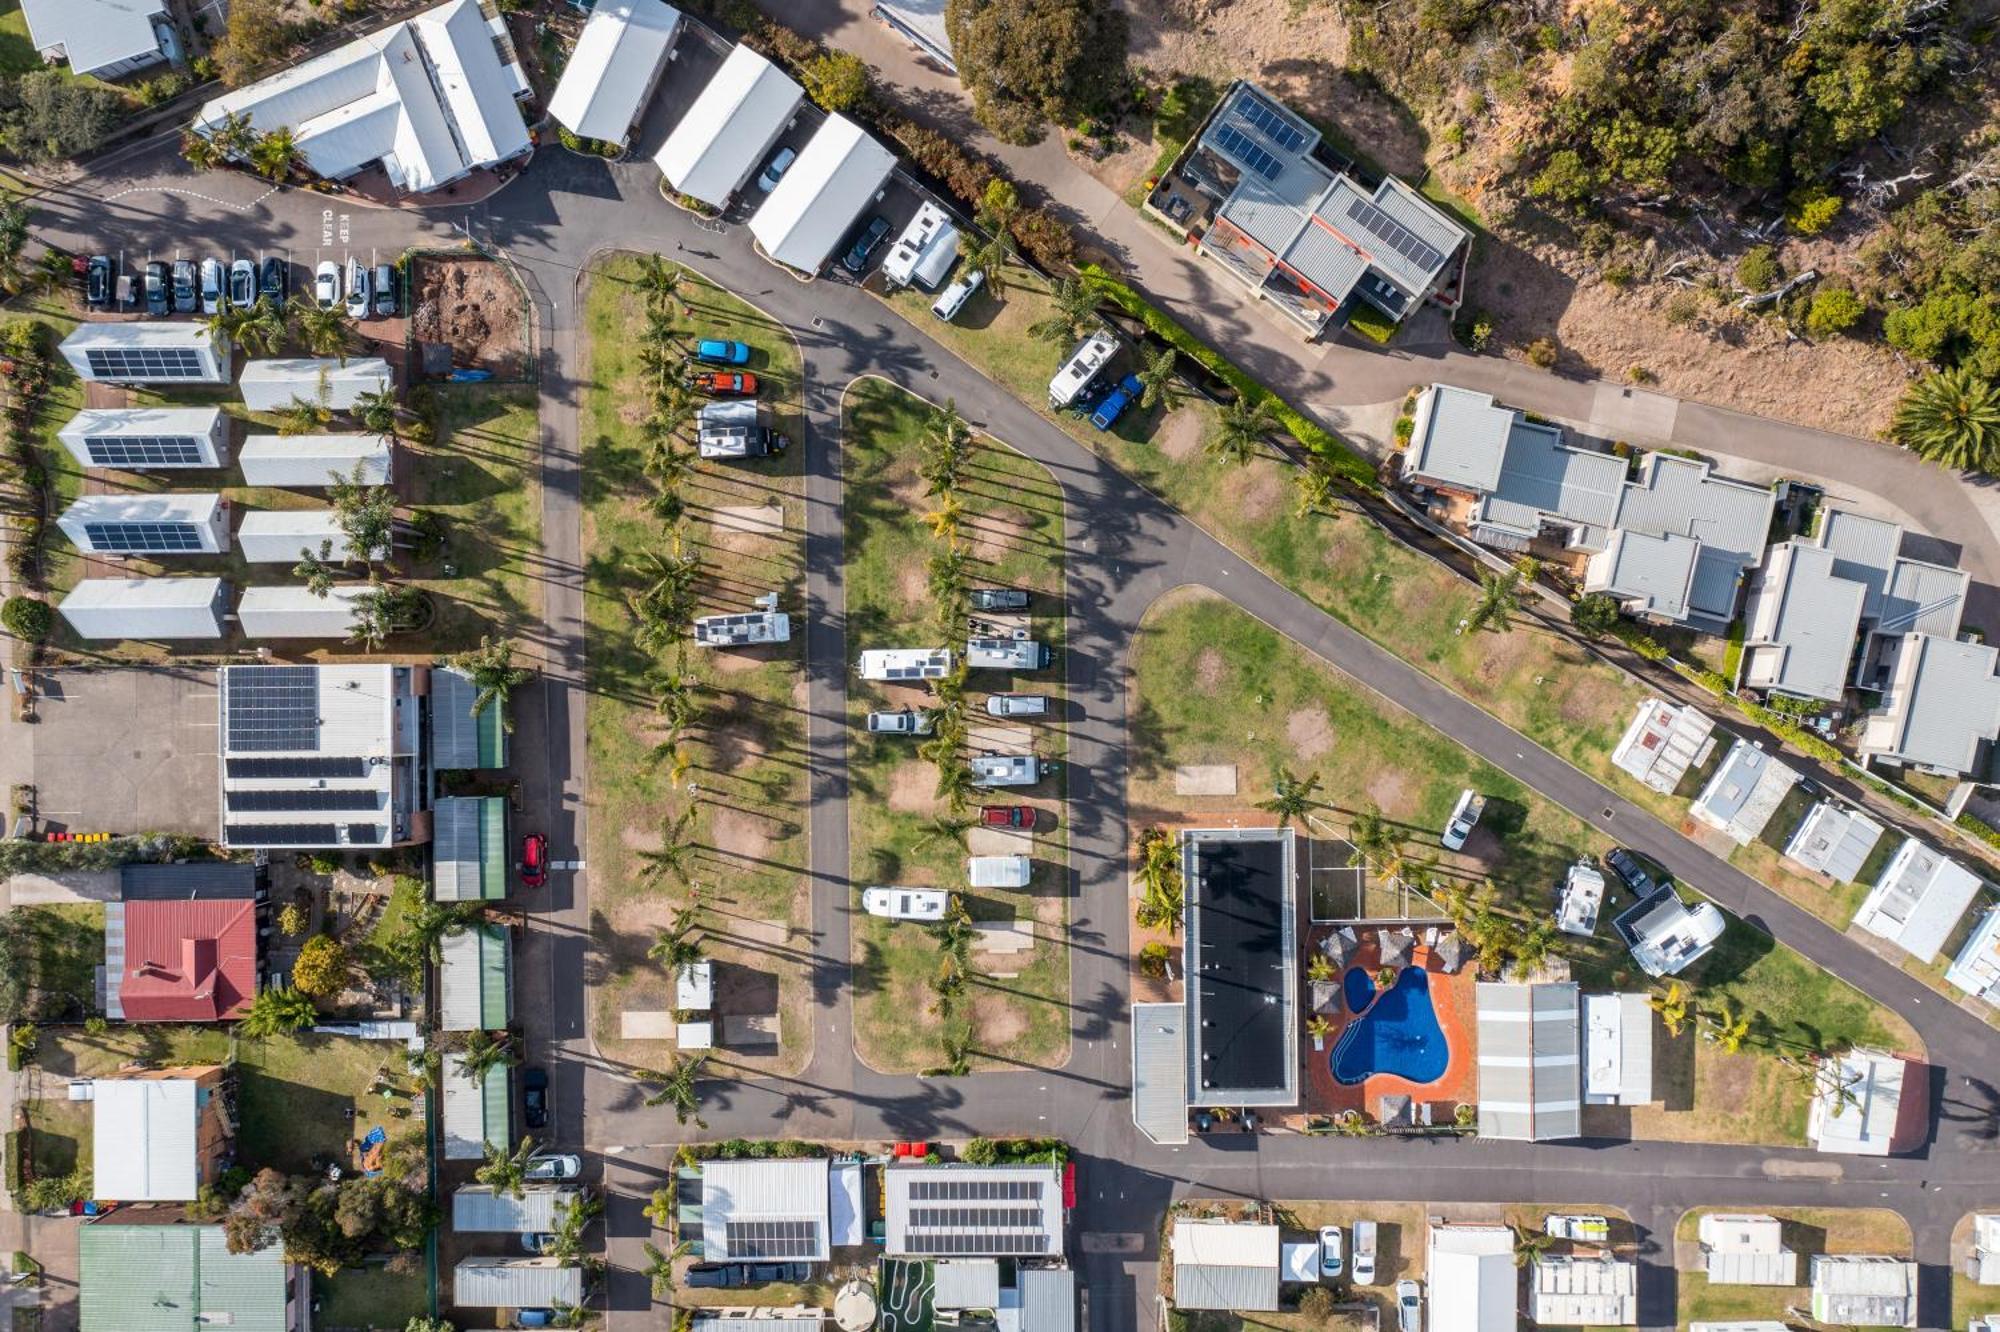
x=1028, y=62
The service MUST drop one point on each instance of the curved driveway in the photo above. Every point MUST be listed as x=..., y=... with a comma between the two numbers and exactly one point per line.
x=1127, y=548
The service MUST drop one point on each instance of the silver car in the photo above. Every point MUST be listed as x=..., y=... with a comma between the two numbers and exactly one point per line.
x=563, y=1166
x=906, y=722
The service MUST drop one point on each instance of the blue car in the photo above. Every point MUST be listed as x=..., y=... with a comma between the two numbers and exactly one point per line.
x=534, y=1318
x=1115, y=403
x=716, y=351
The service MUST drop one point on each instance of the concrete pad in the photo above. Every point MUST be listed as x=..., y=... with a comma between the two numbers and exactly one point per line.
x=1000, y=842
x=1000, y=739
x=750, y=1030
x=1633, y=414
x=72, y=886
x=1205, y=779
x=758, y=520
x=1010, y=936
x=647, y=1024
x=126, y=750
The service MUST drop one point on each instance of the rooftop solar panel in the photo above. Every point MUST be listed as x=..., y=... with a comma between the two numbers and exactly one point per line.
x=772, y=1239
x=266, y=802
x=296, y=767
x=281, y=834
x=272, y=708
x=1279, y=130
x=1240, y=146
x=1394, y=234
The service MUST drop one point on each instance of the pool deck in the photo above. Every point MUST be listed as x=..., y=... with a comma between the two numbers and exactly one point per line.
x=1452, y=998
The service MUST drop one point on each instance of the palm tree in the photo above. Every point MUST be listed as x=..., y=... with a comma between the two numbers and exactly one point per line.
x=323, y=332
x=1529, y=1245
x=1291, y=796
x=954, y=785
x=676, y=950
x=1318, y=488
x=1499, y=599
x=1672, y=1007
x=259, y=330
x=1533, y=949
x=1951, y=418
x=1374, y=839
x=506, y=1172
x=989, y=256
x=661, y=282
x=572, y=1219
x=1158, y=374
x=274, y=155
x=677, y=1087
x=494, y=676
x=946, y=444
x=1071, y=305
x=373, y=619
x=316, y=569
x=201, y=152
x=944, y=520
x=1240, y=429
x=1162, y=890
x=659, y=1268
x=676, y=849
x=949, y=986
x=483, y=1052
x=303, y=417
x=676, y=695
x=366, y=514
x=1319, y=1027
x=376, y=411
x=943, y=829
x=432, y=921
x=275, y=1012
x=235, y=135
x=661, y=1209
x=995, y=216
x=13, y=240
x=1726, y=1026
x=957, y=1047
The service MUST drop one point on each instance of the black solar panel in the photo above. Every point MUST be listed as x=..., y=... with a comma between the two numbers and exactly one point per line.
x=297, y=767
x=772, y=1239
x=946, y=1243
x=272, y=708
x=1394, y=234
x=1279, y=130
x=364, y=834
x=975, y=1190
x=264, y=802
x=131, y=538
x=145, y=362
x=1240, y=146
x=977, y=1218
x=281, y=834
x=143, y=450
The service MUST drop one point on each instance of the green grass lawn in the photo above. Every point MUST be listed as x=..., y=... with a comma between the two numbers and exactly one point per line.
x=64, y=943
x=293, y=1092
x=745, y=754
x=1808, y=1230
x=59, y=1137
x=370, y=1297
x=1014, y=524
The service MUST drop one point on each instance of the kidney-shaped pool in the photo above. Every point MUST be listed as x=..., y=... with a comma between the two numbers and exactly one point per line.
x=1397, y=1034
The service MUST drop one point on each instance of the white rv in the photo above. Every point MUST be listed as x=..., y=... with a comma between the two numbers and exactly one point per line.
x=999, y=871
x=904, y=665
x=1091, y=356
x=905, y=903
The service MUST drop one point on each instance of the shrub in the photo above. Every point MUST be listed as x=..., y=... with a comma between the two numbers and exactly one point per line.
x=1474, y=333
x=56, y=1195
x=837, y=80
x=1595, y=615
x=95, y=1026
x=322, y=966
x=1317, y=1304
x=1758, y=269
x=981, y=1152
x=1683, y=307
x=1811, y=210
x=1543, y=353
x=1153, y=960
x=292, y=919
x=1834, y=310
x=28, y=618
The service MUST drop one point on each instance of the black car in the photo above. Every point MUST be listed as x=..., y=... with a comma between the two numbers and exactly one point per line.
x=865, y=244
x=274, y=279
x=714, y=1275
x=763, y=1274
x=534, y=1097
x=186, y=300
x=1632, y=872
x=98, y=281
x=999, y=599
x=156, y=288
x=388, y=286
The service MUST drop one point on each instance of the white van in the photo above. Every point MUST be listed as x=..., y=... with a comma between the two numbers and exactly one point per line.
x=954, y=297
x=999, y=871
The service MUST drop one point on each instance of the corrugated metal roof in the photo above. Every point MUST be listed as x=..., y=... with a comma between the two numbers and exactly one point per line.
x=1271, y=212
x=1048, y=1299
x=146, y=1133
x=95, y=34
x=475, y=1113
x=169, y=1278
x=188, y=961
x=730, y=127
x=792, y=1194
x=1802, y=620
x=1542, y=478
x=459, y=739
x=1657, y=572
x=836, y=177
x=966, y=1283
x=515, y=1283
x=1834, y=840
x=478, y=94
x=469, y=848
x=1225, y=1265
x=1918, y=900
x=313, y=461
x=1159, y=1072
x=1530, y=1062
x=613, y=67
x=1571, y=1290
x=1730, y=518
x=270, y=385
x=478, y=1207
x=1460, y=439
x=475, y=982
x=1471, y=1278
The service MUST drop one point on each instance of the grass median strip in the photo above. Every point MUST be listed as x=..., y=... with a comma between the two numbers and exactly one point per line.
x=903, y=832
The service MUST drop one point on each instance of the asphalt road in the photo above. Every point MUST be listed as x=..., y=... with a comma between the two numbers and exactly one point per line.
x=1127, y=549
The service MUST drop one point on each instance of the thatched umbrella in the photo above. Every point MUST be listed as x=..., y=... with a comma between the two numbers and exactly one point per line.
x=1339, y=946
x=1453, y=952
x=1397, y=946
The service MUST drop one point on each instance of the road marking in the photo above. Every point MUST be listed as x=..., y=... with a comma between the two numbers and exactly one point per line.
x=325, y=226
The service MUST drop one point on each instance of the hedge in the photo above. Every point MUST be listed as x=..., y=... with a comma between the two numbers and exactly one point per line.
x=1352, y=466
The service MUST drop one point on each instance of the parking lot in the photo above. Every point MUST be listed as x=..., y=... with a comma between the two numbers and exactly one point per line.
x=121, y=751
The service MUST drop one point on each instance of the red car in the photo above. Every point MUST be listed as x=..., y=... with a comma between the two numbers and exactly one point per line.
x=725, y=383
x=1007, y=816
x=534, y=866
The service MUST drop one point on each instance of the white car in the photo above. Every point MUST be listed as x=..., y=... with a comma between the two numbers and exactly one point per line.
x=906, y=722
x=774, y=170
x=553, y=1167
x=1464, y=818
x=1330, y=1264
x=357, y=290
x=243, y=284
x=326, y=284
x=1409, y=1306
x=1364, y=1253
x=211, y=286
x=1017, y=705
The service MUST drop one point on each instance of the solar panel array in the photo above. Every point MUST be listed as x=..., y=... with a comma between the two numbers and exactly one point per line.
x=1394, y=234
x=1245, y=150
x=975, y=1190
x=772, y=1239
x=343, y=766
x=272, y=708
x=283, y=834
x=146, y=363
x=266, y=802
x=1274, y=126
x=131, y=538
x=144, y=451
x=364, y=834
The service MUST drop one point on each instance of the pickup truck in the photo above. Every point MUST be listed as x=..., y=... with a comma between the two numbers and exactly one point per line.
x=1464, y=818
x=1364, y=1253
x=1116, y=401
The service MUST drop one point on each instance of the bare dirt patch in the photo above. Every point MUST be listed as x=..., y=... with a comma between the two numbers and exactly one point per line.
x=911, y=585
x=913, y=788
x=1260, y=490
x=474, y=307
x=997, y=534
x=641, y=839
x=997, y=1024
x=1210, y=669
x=1310, y=731
x=1390, y=791
x=735, y=663
x=740, y=833
x=736, y=747
x=1180, y=434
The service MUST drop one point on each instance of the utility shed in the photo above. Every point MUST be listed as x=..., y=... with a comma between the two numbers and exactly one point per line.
x=1864, y=1290
x=167, y=353
x=314, y=462
x=1746, y=1249
x=1530, y=1088
x=482, y=1208
x=469, y=848
x=282, y=536
x=1159, y=1072
x=732, y=124
x=839, y=174
x=614, y=68
x=144, y=439
x=476, y=980
x=1918, y=900
x=1225, y=1265
x=146, y=608
x=155, y=523
x=515, y=1283
x=460, y=738
x=271, y=385
x=295, y=612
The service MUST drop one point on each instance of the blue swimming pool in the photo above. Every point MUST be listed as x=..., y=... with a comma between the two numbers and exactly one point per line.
x=1359, y=988
x=1398, y=1033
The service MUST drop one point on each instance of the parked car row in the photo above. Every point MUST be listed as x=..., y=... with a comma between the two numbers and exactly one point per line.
x=209, y=286
x=723, y=1275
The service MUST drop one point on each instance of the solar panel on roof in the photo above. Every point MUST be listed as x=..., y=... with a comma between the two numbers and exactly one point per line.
x=1281, y=131
x=130, y=538
x=281, y=834
x=364, y=834
x=297, y=767
x=265, y=802
x=1394, y=234
x=1239, y=145
x=772, y=1239
x=272, y=708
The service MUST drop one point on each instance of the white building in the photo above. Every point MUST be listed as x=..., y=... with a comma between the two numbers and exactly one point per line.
x=1918, y=900
x=431, y=99
x=166, y=353
x=1864, y=1290
x=1855, y=1104
x=321, y=756
x=1225, y=1265
x=105, y=39
x=1530, y=1052
x=475, y=1112
x=1834, y=840
x=615, y=67
x=157, y=523
x=273, y=385
x=1746, y=1249
x=732, y=124
x=280, y=536
x=293, y=611
x=925, y=251
x=145, y=439
x=1663, y=742
x=1976, y=969
x=147, y=1132
x=765, y=1211
x=1744, y=792
x=1940, y=706
x=146, y=608
x=482, y=1209
x=516, y=1283
x=840, y=172
x=1986, y=1249
x=950, y=1210
x=314, y=462
x=1471, y=1278
x=1576, y=1290
x=1617, y=1049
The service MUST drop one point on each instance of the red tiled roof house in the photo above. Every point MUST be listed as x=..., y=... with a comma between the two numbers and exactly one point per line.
x=186, y=957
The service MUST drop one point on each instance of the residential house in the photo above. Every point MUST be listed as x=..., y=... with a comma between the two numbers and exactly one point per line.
x=1581, y=896
x=1597, y=1290
x=282, y=536
x=766, y=1211
x=1858, y=1290
x=1281, y=213
x=614, y=67
x=147, y=439
x=1834, y=840
x=180, y=943
x=159, y=1135
x=923, y=1218
x=274, y=384
x=1918, y=899
x=516, y=1283
x=1530, y=1053
x=1744, y=792
x=1666, y=935
x=1856, y=1103
x=1617, y=1049
x=476, y=979
x=146, y=609
x=155, y=523
x=1663, y=742
x=152, y=1272
x=1471, y=1278
x=1225, y=1265
x=429, y=100
x=102, y=39
x=296, y=611
x=1976, y=969
x=1940, y=707
x=1746, y=1249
